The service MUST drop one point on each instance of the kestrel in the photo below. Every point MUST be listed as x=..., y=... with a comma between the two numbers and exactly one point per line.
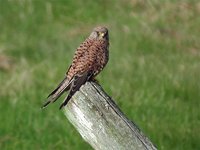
x=89, y=59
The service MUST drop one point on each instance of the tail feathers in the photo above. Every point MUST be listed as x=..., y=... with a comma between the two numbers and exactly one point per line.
x=47, y=103
x=78, y=81
x=65, y=101
x=55, y=94
x=58, y=87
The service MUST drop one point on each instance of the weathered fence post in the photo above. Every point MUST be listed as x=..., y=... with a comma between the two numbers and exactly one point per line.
x=101, y=123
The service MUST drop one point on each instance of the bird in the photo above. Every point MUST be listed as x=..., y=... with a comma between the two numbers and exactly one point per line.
x=89, y=60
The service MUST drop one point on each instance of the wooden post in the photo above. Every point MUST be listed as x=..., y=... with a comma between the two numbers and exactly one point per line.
x=101, y=123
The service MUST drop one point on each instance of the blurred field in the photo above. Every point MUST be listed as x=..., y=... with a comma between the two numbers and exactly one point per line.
x=153, y=72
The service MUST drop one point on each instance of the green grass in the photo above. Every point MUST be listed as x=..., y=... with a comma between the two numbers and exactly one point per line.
x=153, y=72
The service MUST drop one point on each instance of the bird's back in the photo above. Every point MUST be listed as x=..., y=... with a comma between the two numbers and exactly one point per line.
x=88, y=51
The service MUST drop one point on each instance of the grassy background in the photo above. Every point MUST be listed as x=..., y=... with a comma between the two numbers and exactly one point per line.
x=153, y=72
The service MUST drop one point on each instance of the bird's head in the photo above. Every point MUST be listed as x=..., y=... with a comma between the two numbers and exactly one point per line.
x=99, y=33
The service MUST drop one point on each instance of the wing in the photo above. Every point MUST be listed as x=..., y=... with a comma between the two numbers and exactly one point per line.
x=84, y=69
x=79, y=59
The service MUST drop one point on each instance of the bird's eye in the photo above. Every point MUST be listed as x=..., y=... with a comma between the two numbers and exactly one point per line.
x=102, y=34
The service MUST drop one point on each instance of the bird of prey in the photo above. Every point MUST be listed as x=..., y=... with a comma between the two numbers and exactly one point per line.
x=89, y=59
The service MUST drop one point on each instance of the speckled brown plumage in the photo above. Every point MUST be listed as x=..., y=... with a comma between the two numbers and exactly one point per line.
x=89, y=59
